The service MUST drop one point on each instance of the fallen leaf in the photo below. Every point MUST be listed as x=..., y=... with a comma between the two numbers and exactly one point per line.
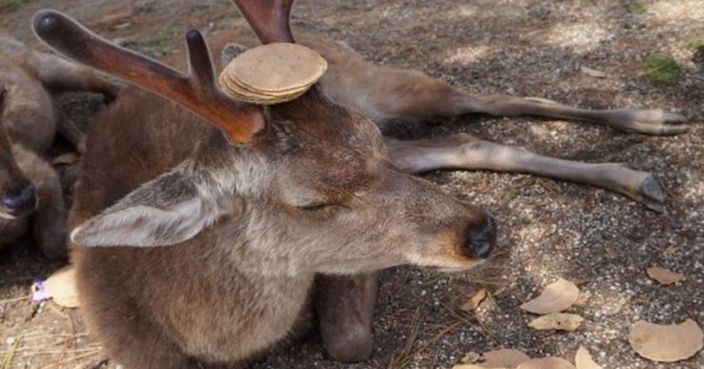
x=471, y=358
x=467, y=366
x=61, y=286
x=474, y=300
x=557, y=322
x=668, y=343
x=663, y=275
x=592, y=72
x=546, y=363
x=555, y=298
x=583, y=360
x=503, y=358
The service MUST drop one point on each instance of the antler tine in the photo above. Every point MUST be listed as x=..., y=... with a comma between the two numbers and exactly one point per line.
x=200, y=63
x=198, y=92
x=268, y=18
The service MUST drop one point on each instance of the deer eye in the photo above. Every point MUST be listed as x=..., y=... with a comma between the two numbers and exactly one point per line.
x=316, y=206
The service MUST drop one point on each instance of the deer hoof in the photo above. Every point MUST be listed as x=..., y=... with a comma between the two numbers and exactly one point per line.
x=650, y=194
x=653, y=122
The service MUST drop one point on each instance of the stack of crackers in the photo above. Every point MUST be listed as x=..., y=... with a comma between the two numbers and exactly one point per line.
x=272, y=73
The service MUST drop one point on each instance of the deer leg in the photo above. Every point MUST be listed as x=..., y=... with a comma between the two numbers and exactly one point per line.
x=648, y=121
x=59, y=74
x=463, y=151
x=70, y=131
x=49, y=219
x=393, y=93
x=345, y=305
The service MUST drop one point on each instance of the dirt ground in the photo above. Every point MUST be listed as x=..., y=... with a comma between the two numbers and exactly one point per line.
x=548, y=229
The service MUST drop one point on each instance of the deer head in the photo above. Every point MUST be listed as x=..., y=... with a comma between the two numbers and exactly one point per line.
x=306, y=185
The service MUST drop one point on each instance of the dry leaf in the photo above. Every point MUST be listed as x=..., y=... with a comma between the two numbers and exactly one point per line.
x=668, y=343
x=503, y=358
x=471, y=358
x=546, y=363
x=61, y=286
x=583, y=360
x=557, y=322
x=663, y=275
x=592, y=72
x=475, y=300
x=555, y=298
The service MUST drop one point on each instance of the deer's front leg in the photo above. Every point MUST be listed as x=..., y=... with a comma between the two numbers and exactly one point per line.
x=49, y=219
x=345, y=305
x=463, y=151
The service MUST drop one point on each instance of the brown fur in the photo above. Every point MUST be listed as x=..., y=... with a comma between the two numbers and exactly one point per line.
x=29, y=122
x=192, y=252
x=217, y=273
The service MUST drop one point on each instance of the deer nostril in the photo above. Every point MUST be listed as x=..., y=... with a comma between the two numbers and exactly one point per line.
x=21, y=202
x=480, y=240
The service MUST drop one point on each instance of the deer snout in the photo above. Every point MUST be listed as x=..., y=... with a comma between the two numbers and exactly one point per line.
x=19, y=202
x=481, y=238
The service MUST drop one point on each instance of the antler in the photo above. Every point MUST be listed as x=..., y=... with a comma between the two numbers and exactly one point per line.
x=268, y=18
x=197, y=91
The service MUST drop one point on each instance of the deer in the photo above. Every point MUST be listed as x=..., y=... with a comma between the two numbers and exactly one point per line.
x=30, y=193
x=214, y=230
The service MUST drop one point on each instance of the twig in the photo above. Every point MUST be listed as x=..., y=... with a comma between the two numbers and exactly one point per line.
x=70, y=360
x=29, y=352
x=10, y=354
x=15, y=299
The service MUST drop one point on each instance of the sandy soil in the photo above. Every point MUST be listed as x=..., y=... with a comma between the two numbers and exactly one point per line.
x=548, y=229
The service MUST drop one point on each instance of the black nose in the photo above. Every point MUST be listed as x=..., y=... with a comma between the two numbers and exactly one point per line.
x=21, y=202
x=481, y=239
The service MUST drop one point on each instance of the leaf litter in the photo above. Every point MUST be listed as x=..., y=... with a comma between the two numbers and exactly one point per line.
x=555, y=298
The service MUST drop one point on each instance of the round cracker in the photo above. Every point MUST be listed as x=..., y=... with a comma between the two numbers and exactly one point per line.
x=233, y=85
x=248, y=97
x=276, y=68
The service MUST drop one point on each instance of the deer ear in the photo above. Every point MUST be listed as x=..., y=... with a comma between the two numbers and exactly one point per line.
x=163, y=212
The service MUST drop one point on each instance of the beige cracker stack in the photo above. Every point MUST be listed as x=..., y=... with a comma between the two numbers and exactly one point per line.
x=272, y=73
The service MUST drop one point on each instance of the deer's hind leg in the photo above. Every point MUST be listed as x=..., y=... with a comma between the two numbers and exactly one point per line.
x=59, y=74
x=345, y=305
x=463, y=151
x=391, y=93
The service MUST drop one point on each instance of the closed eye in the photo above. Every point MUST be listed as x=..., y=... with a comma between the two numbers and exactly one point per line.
x=322, y=207
x=315, y=206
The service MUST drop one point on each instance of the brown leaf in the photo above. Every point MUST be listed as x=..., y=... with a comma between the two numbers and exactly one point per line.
x=557, y=322
x=663, y=275
x=555, y=298
x=546, y=363
x=503, y=358
x=474, y=300
x=668, y=343
x=61, y=286
x=471, y=358
x=583, y=360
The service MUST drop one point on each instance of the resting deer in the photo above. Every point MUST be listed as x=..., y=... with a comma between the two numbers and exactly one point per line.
x=30, y=193
x=198, y=238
